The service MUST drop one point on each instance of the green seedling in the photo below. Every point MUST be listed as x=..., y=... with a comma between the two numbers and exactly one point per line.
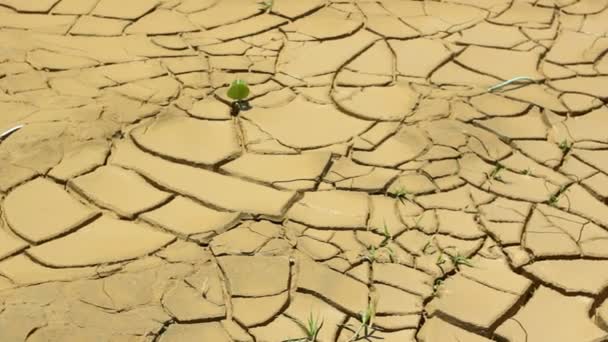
x=267, y=5
x=555, y=197
x=371, y=254
x=428, y=248
x=238, y=91
x=458, y=260
x=366, y=319
x=387, y=236
x=436, y=284
x=440, y=260
x=391, y=253
x=417, y=223
x=312, y=328
x=506, y=83
x=494, y=174
x=565, y=146
x=400, y=193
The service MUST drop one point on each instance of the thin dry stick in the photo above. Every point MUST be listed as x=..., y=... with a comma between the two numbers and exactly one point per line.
x=8, y=132
x=505, y=83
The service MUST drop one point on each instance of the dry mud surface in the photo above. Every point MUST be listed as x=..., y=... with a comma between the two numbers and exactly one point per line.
x=374, y=170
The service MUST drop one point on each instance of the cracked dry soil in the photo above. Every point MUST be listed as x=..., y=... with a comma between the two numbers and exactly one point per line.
x=374, y=167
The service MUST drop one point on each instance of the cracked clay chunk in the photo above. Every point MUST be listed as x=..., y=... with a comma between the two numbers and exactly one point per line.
x=191, y=140
x=419, y=57
x=119, y=9
x=38, y=6
x=293, y=9
x=40, y=210
x=303, y=124
x=280, y=170
x=123, y=191
x=408, y=143
x=161, y=22
x=80, y=159
x=186, y=304
x=255, y=276
x=501, y=63
x=391, y=103
x=225, y=12
x=438, y=330
x=206, y=186
x=336, y=288
x=568, y=320
x=471, y=302
x=332, y=209
x=187, y=218
x=258, y=310
x=312, y=59
x=588, y=276
x=211, y=331
x=10, y=244
x=103, y=241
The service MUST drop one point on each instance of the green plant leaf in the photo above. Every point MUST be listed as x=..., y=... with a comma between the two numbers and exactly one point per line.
x=238, y=90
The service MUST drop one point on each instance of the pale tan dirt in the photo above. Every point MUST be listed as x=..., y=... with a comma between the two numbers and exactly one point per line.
x=374, y=166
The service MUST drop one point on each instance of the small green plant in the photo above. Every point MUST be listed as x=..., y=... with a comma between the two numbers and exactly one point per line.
x=458, y=260
x=436, y=284
x=366, y=319
x=267, y=5
x=555, y=197
x=387, y=236
x=565, y=146
x=400, y=193
x=312, y=328
x=440, y=261
x=506, y=83
x=417, y=222
x=238, y=91
x=428, y=248
x=494, y=174
x=371, y=254
x=372, y=250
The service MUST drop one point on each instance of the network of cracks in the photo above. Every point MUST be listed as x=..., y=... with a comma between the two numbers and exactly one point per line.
x=376, y=190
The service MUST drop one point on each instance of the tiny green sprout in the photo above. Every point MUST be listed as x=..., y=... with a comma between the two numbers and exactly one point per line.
x=436, y=284
x=458, y=260
x=418, y=219
x=400, y=193
x=238, y=91
x=527, y=172
x=371, y=254
x=427, y=249
x=366, y=319
x=494, y=174
x=565, y=146
x=555, y=197
x=387, y=236
x=440, y=260
x=312, y=328
x=267, y=5
x=391, y=253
